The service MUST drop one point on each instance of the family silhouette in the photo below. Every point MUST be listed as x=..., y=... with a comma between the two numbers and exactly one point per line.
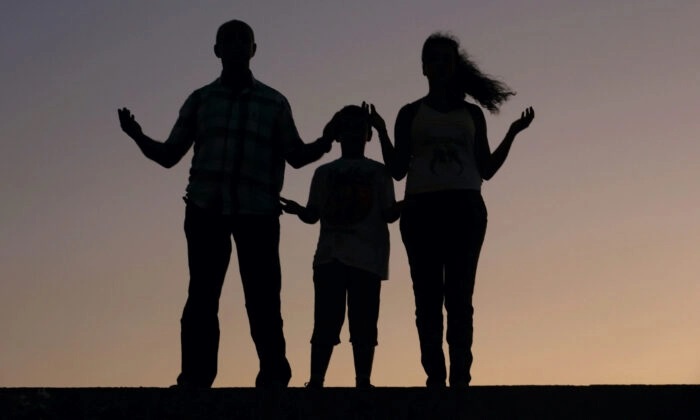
x=243, y=135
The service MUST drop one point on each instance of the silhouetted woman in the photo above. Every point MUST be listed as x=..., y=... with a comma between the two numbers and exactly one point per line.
x=443, y=151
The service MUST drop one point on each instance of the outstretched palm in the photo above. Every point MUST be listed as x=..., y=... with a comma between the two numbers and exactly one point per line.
x=128, y=123
x=524, y=121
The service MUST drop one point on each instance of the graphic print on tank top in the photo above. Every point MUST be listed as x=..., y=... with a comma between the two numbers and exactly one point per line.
x=349, y=199
x=444, y=143
x=442, y=152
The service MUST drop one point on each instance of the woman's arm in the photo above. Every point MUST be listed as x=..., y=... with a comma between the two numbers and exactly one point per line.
x=487, y=162
x=397, y=158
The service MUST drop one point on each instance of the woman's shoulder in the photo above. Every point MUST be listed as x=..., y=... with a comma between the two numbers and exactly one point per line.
x=474, y=110
x=408, y=111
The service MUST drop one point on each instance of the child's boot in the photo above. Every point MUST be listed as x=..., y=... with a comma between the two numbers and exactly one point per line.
x=364, y=357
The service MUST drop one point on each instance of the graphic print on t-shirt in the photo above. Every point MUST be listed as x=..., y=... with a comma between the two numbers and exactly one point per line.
x=349, y=199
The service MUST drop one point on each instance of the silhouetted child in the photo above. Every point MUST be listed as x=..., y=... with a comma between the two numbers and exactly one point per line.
x=353, y=197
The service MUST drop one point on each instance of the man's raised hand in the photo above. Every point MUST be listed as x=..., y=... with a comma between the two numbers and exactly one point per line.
x=128, y=123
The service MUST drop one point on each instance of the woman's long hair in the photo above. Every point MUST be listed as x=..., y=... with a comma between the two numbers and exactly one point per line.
x=469, y=80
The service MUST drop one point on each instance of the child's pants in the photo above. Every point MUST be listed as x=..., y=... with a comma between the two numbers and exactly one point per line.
x=334, y=285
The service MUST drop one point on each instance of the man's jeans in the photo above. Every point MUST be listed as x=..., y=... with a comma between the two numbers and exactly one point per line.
x=209, y=250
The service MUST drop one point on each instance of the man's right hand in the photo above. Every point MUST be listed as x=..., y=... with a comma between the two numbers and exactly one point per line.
x=129, y=124
x=330, y=131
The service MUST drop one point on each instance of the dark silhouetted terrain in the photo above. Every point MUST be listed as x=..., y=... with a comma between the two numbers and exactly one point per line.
x=488, y=402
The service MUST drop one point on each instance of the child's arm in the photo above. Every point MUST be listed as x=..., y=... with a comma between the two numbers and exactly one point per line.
x=305, y=214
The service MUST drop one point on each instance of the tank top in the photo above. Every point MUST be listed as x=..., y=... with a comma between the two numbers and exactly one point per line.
x=442, y=152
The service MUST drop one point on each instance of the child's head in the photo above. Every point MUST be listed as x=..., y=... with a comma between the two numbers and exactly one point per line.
x=352, y=129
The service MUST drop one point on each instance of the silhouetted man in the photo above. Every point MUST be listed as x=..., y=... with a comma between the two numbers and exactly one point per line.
x=243, y=132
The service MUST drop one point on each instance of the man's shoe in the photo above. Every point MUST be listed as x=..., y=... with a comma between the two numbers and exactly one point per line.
x=435, y=384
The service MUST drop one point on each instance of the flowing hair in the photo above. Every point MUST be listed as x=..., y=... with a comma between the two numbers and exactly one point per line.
x=469, y=80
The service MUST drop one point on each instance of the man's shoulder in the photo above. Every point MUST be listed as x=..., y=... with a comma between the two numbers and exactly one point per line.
x=214, y=84
x=263, y=90
x=259, y=90
x=202, y=92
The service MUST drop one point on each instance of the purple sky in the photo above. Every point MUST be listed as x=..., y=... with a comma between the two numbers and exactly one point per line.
x=589, y=272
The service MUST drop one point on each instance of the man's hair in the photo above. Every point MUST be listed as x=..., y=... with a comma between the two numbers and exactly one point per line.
x=226, y=28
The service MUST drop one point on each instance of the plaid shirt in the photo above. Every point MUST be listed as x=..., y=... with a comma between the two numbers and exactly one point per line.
x=240, y=143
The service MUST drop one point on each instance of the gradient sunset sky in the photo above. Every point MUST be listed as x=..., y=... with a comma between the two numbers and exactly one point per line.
x=590, y=269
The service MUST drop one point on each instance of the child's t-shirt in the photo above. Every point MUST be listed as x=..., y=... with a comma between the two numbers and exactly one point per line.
x=350, y=196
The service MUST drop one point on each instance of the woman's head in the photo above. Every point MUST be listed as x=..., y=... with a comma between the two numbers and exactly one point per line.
x=440, y=56
x=444, y=62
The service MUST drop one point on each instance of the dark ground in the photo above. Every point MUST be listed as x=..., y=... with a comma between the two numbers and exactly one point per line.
x=479, y=402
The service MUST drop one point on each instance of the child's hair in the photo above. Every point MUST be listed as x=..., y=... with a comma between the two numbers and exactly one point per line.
x=356, y=113
x=469, y=80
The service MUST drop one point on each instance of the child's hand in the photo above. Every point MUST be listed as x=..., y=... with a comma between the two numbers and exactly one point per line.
x=290, y=206
x=524, y=121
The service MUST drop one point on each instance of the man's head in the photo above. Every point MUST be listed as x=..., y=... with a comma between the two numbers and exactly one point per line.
x=352, y=130
x=235, y=44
